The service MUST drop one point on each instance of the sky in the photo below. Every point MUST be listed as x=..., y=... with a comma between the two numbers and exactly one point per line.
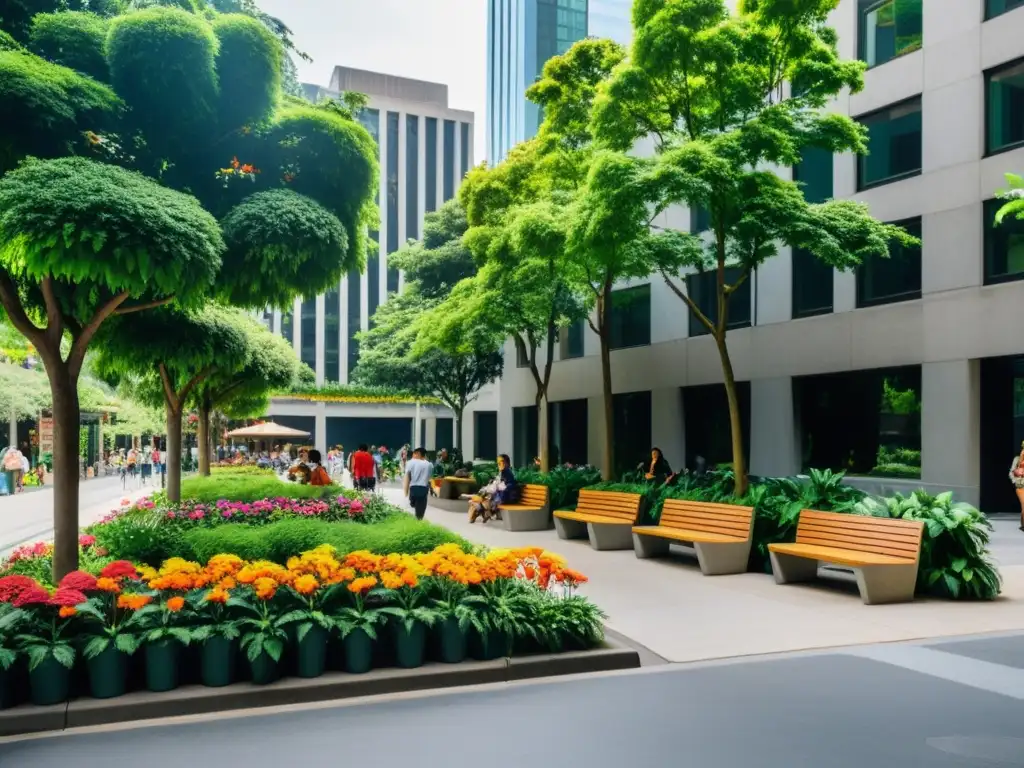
x=443, y=41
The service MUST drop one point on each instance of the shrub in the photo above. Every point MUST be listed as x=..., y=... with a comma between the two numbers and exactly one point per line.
x=564, y=482
x=653, y=495
x=249, y=488
x=281, y=540
x=140, y=535
x=896, y=470
x=73, y=39
x=245, y=470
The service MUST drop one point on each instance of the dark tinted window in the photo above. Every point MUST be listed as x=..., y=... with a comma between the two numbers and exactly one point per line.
x=888, y=28
x=1004, y=246
x=1004, y=107
x=630, y=317
x=894, y=145
x=897, y=278
x=703, y=289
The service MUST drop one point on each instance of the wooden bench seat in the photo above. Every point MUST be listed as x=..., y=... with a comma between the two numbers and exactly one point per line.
x=531, y=513
x=454, y=487
x=721, y=534
x=605, y=517
x=884, y=553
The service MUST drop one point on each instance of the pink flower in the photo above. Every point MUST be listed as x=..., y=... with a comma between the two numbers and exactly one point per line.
x=86, y=540
x=126, y=502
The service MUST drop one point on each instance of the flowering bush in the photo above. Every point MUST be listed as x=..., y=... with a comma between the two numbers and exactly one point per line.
x=36, y=560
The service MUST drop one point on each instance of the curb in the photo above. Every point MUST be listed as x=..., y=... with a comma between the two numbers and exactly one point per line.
x=197, y=699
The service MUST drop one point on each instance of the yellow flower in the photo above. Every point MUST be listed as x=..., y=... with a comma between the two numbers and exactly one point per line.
x=390, y=580
x=305, y=584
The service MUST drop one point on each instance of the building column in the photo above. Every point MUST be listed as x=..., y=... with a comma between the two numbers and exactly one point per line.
x=667, y=425
x=320, y=428
x=12, y=430
x=774, y=434
x=321, y=306
x=595, y=431
x=951, y=427
x=431, y=441
x=297, y=327
x=416, y=421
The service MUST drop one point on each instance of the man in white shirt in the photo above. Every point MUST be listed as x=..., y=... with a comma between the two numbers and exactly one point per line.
x=418, y=472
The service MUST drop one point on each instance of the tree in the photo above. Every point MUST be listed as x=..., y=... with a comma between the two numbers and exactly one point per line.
x=390, y=353
x=243, y=390
x=178, y=350
x=707, y=85
x=83, y=240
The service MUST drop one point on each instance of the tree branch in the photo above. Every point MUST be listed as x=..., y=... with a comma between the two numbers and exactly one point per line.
x=145, y=305
x=81, y=342
x=729, y=289
x=16, y=313
x=169, y=394
x=689, y=302
x=54, y=317
x=194, y=381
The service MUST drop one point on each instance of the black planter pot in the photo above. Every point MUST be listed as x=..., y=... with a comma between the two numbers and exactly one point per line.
x=217, y=662
x=358, y=652
x=493, y=645
x=108, y=674
x=410, y=645
x=49, y=682
x=162, y=665
x=311, y=653
x=451, y=642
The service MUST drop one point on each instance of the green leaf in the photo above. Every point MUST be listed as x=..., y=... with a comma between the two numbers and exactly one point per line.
x=959, y=564
x=126, y=642
x=96, y=645
x=274, y=648
x=64, y=654
x=37, y=654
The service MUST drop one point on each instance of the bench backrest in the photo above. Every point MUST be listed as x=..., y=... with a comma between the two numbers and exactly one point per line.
x=533, y=495
x=622, y=506
x=877, y=535
x=725, y=519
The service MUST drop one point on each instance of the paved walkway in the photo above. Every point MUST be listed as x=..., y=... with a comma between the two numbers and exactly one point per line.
x=941, y=706
x=667, y=606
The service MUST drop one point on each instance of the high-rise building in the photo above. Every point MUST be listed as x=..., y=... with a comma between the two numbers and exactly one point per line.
x=425, y=148
x=521, y=36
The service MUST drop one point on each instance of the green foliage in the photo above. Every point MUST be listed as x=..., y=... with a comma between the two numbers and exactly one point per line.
x=441, y=259
x=1014, y=196
x=282, y=245
x=955, y=561
x=902, y=402
x=173, y=105
x=356, y=393
x=281, y=540
x=73, y=39
x=54, y=105
x=8, y=43
x=565, y=623
x=100, y=230
x=140, y=536
x=248, y=68
x=563, y=483
x=895, y=470
x=248, y=488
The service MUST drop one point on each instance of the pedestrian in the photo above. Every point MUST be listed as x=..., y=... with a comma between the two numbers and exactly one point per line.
x=12, y=469
x=418, y=472
x=158, y=461
x=317, y=474
x=1017, y=478
x=364, y=469
x=26, y=467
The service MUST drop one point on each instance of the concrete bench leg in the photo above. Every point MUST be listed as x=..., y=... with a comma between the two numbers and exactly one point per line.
x=650, y=546
x=526, y=519
x=570, y=529
x=886, y=583
x=789, y=569
x=610, y=536
x=721, y=559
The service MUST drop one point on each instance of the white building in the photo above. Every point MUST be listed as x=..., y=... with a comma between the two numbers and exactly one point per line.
x=915, y=360
x=426, y=148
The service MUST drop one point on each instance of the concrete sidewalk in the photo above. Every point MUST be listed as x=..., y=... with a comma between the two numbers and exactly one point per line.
x=670, y=608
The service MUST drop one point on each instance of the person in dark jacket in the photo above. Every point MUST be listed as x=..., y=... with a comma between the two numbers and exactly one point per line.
x=503, y=489
x=657, y=469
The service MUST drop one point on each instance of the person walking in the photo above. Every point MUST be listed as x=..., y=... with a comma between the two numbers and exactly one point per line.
x=1017, y=478
x=418, y=472
x=12, y=469
x=364, y=469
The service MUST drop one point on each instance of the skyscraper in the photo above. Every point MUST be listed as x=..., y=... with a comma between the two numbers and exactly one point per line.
x=521, y=36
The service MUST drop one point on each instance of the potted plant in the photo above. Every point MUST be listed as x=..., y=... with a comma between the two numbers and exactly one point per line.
x=311, y=622
x=454, y=617
x=11, y=619
x=502, y=614
x=163, y=636
x=217, y=634
x=262, y=628
x=411, y=617
x=43, y=638
x=111, y=627
x=358, y=626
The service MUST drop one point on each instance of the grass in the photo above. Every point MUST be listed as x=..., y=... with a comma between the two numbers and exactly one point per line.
x=247, y=488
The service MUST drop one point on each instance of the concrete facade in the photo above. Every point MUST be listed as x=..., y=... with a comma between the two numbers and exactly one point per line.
x=957, y=321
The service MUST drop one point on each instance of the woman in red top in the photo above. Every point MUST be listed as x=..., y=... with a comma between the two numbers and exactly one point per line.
x=364, y=469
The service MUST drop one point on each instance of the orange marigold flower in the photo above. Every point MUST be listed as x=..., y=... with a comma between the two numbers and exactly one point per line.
x=409, y=578
x=265, y=587
x=571, y=577
x=67, y=611
x=228, y=582
x=105, y=584
x=390, y=580
x=175, y=604
x=234, y=162
x=305, y=584
x=217, y=595
x=362, y=585
x=133, y=602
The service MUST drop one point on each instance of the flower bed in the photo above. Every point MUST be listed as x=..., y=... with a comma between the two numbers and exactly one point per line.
x=260, y=620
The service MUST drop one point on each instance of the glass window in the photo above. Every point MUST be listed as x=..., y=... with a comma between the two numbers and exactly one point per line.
x=632, y=424
x=888, y=28
x=412, y=177
x=524, y=435
x=449, y=160
x=995, y=8
x=894, y=144
x=485, y=435
x=1004, y=107
x=393, y=193
x=464, y=149
x=430, y=194
x=702, y=287
x=706, y=428
x=1004, y=246
x=571, y=340
x=629, y=317
x=522, y=357
x=373, y=284
x=354, y=319
x=814, y=174
x=861, y=422
x=812, y=285
x=700, y=220
x=287, y=326
x=308, y=339
x=897, y=278
x=332, y=335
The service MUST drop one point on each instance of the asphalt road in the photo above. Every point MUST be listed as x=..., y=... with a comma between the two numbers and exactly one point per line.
x=941, y=706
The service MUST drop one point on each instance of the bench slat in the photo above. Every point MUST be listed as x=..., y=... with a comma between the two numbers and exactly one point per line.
x=858, y=546
x=908, y=544
x=726, y=520
x=697, y=507
x=857, y=534
x=610, y=495
x=711, y=525
x=838, y=556
x=670, y=514
x=682, y=534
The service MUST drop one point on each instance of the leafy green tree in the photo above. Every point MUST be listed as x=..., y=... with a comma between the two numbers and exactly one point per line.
x=73, y=39
x=707, y=84
x=178, y=350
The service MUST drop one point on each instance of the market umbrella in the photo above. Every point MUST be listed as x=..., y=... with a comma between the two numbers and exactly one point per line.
x=265, y=431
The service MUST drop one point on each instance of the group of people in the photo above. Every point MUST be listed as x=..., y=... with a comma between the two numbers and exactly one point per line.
x=15, y=466
x=144, y=462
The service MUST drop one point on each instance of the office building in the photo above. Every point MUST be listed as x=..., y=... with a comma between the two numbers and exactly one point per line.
x=521, y=36
x=425, y=150
x=908, y=372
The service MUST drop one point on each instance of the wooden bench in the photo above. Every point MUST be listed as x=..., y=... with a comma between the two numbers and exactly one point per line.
x=882, y=552
x=720, y=533
x=605, y=517
x=454, y=487
x=531, y=513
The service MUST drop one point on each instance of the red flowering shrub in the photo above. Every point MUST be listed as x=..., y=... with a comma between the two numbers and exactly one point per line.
x=119, y=569
x=34, y=595
x=13, y=585
x=67, y=597
x=80, y=580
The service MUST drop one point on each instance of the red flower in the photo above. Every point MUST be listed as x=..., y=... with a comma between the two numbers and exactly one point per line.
x=80, y=580
x=67, y=597
x=13, y=585
x=119, y=569
x=34, y=595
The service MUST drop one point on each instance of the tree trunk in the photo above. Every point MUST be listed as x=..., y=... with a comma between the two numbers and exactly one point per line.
x=739, y=461
x=457, y=431
x=543, y=439
x=173, y=454
x=203, y=435
x=66, y=426
x=608, y=453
